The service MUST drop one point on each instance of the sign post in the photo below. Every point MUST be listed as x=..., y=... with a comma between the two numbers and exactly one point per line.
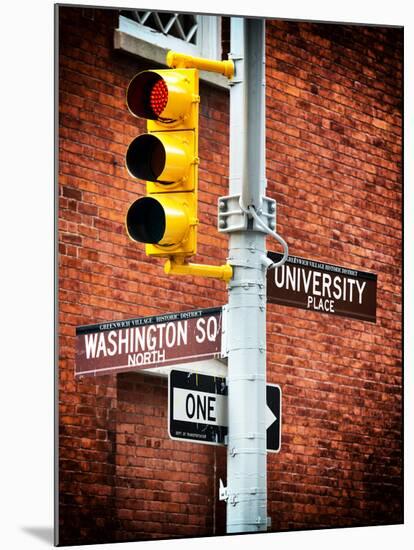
x=246, y=491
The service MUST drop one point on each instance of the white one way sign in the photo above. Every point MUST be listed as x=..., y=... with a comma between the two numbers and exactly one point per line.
x=198, y=409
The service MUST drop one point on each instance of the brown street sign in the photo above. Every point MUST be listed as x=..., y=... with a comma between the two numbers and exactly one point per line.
x=309, y=284
x=147, y=342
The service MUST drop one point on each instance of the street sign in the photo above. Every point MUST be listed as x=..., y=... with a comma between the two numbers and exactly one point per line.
x=197, y=406
x=327, y=288
x=147, y=342
x=273, y=417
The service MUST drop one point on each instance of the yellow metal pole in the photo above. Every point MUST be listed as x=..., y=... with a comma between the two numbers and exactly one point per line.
x=223, y=272
x=177, y=60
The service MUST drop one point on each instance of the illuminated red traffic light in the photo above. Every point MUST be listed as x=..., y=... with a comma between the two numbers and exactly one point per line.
x=159, y=97
x=164, y=97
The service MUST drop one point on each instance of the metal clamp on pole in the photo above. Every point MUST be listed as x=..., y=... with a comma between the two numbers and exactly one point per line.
x=223, y=272
x=232, y=217
x=177, y=60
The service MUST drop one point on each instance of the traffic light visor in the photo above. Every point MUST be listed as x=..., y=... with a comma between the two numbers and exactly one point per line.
x=163, y=158
x=145, y=221
x=164, y=96
x=147, y=95
x=145, y=158
x=162, y=220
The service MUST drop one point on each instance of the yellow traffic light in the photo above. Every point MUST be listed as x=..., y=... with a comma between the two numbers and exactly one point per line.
x=166, y=157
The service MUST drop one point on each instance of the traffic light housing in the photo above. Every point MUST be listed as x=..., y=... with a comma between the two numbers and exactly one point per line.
x=166, y=157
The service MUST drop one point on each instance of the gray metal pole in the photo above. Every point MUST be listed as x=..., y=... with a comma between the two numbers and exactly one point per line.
x=246, y=450
x=254, y=183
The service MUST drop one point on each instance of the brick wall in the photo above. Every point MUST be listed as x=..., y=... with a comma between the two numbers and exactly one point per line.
x=333, y=161
x=334, y=165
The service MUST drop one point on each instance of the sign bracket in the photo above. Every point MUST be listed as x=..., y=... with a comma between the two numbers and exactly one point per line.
x=223, y=491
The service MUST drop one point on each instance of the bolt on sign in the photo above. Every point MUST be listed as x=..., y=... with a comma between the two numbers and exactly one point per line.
x=309, y=284
x=147, y=342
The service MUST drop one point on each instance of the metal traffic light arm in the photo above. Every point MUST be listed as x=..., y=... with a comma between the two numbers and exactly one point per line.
x=177, y=60
x=223, y=272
